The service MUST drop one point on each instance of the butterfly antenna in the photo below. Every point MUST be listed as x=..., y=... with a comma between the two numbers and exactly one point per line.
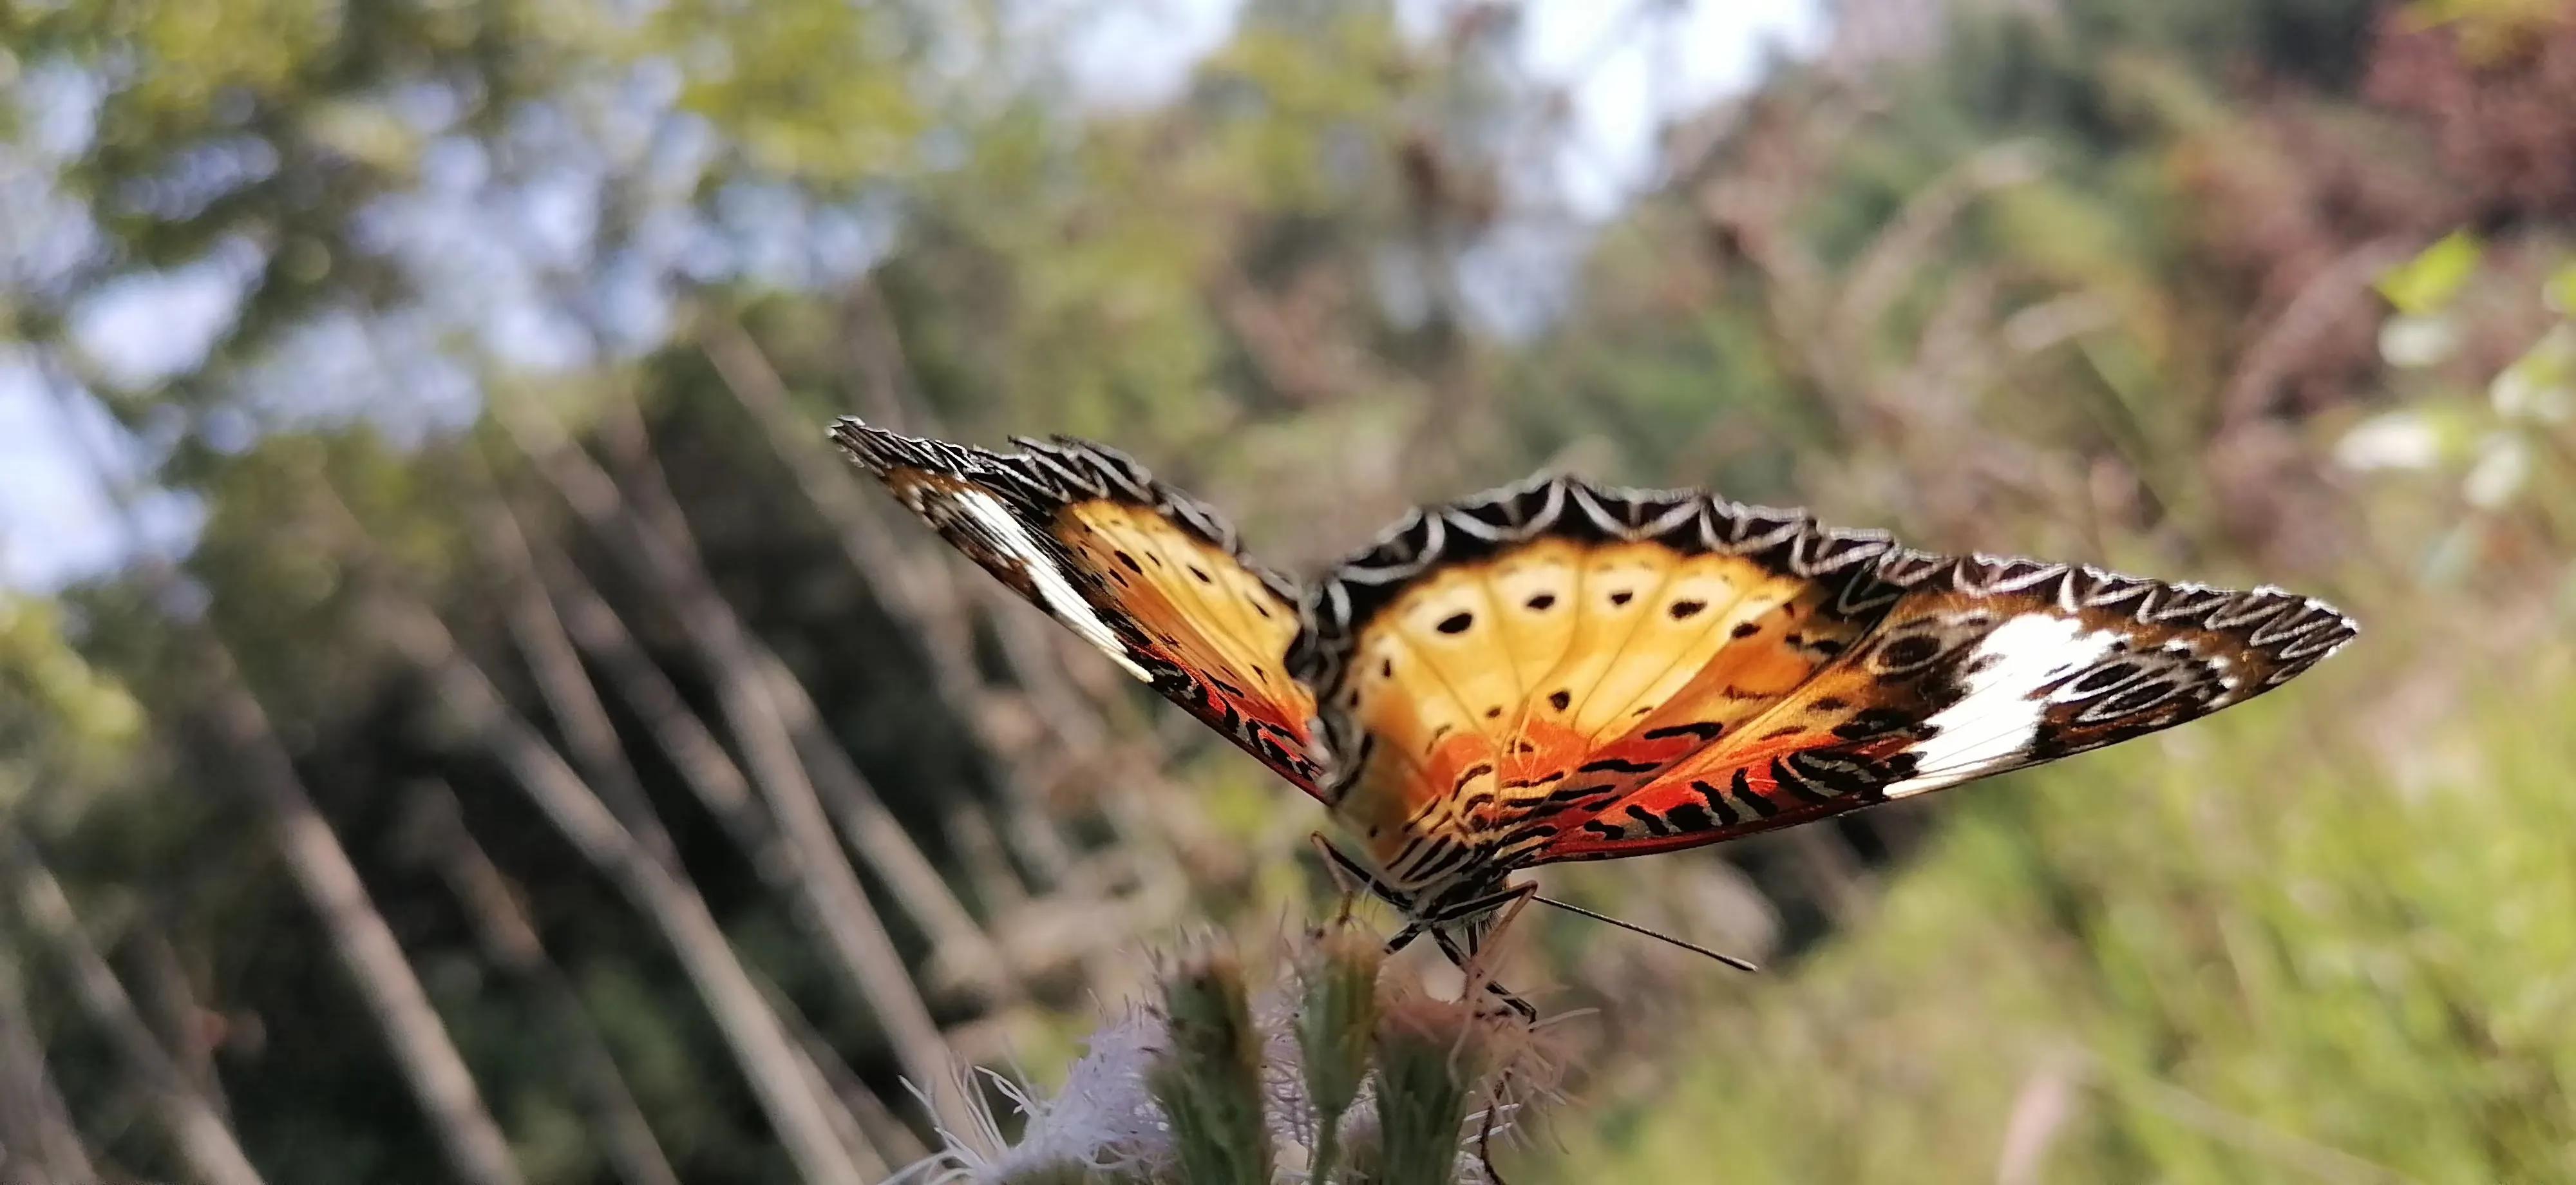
x=1634, y=928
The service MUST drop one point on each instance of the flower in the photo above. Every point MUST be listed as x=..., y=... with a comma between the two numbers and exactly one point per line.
x=2395, y=440
x=1411, y=1083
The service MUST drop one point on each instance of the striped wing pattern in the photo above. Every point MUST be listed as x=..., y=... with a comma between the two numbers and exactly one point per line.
x=1142, y=571
x=1559, y=670
x=1562, y=671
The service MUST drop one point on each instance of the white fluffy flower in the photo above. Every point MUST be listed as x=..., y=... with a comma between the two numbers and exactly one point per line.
x=1105, y=1116
x=2396, y=440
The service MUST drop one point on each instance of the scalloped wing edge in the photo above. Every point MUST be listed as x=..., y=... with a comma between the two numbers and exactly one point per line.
x=2293, y=631
x=1051, y=474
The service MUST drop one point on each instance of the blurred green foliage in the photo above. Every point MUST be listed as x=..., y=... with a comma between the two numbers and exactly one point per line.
x=2226, y=958
x=2241, y=291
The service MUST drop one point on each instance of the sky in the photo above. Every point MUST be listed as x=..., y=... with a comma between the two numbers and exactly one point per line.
x=56, y=521
x=1626, y=66
x=1631, y=63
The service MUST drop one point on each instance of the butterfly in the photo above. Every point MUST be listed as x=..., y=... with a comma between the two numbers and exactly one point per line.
x=1559, y=670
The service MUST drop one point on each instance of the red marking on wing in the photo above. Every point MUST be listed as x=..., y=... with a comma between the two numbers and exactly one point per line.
x=1712, y=802
x=1705, y=804
x=1269, y=730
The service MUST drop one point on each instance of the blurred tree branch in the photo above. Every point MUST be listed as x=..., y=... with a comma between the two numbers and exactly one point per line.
x=182, y=1024
x=194, y=1128
x=494, y=909
x=661, y=893
x=765, y=714
x=423, y=1051
x=39, y=1143
x=914, y=589
x=748, y=696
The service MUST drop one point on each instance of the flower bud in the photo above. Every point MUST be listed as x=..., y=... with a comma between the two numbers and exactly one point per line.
x=1208, y=1077
x=1336, y=1029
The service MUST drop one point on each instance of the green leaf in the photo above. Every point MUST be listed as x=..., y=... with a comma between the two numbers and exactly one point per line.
x=2427, y=282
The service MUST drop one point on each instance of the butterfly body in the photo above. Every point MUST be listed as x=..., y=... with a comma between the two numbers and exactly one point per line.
x=1560, y=671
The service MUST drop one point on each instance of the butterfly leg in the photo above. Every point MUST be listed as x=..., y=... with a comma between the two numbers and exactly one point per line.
x=1346, y=871
x=1508, y=903
x=1485, y=1138
x=1455, y=913
x=1511, y=898
x=1466, y=962
x=1349, y=877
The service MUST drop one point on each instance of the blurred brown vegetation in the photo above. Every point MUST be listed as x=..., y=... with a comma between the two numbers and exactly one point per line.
x=546, y=762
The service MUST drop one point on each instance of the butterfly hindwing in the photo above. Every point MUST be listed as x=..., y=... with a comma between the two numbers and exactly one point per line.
x=1982, y=666
x=1560, y=671
x=1139, y=570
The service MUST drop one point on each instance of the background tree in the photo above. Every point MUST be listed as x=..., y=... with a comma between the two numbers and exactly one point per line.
x=499, y=739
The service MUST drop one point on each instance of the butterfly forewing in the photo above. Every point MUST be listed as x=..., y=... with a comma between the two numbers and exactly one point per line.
x=1560, y=671
x=1139, y=570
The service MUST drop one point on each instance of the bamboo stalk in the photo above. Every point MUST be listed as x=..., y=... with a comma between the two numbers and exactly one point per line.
x=693, y=750
x=832, y=1078
x=761, y=1048
x=1031, y=647
x=675, y=727
x=923, y=595
x=870, y=829
x=39, y=1144
x=750, y=705
x=874, y=832
x=173, y=1007
x=427, y=1058
x=588, y=732
x=199, y=1134
x=509, y=938
x=424, y=1055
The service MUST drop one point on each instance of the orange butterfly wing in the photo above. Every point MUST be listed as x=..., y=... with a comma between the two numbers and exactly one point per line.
x=1140, y=570
x=1559, y=671
x=1981, y=665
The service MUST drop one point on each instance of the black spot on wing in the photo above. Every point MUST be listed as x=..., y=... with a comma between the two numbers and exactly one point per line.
x=1653, y=822
x=1706, y=730
x=1788, y=775
x=1726, y=816
x=1612, y=765
x=1744, y=793
x=1871, y=722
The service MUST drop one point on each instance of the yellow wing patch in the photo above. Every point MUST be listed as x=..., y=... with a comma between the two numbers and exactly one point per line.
x=1489, y=684
x=1190, y=595
x=1134, y=567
